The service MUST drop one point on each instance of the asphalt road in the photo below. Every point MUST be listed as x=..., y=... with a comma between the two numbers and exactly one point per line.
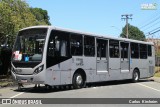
x=114, y=89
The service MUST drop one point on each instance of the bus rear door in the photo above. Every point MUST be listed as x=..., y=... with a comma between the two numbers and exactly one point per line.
x=124, y=63
x=102, y=56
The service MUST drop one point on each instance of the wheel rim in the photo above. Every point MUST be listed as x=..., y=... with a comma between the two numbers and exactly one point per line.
x=79, y=79
x=136, y=76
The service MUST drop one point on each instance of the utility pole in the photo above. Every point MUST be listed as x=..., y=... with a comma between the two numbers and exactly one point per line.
x=126, y=17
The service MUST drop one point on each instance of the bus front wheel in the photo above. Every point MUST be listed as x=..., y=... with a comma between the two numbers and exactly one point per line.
x=78, y=81
x=135, y=76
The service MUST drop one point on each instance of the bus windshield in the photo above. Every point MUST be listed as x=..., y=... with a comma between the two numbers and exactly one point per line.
x=29, y=45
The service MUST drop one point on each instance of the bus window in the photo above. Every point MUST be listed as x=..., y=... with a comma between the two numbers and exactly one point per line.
x=58, y=44
x=29, y=45
x=124, y=50
x=149, y=50
x=89, y=46
x=114, y=48
x=143, y=51
x=134, y=50
x=101, y=48
x=76, y=45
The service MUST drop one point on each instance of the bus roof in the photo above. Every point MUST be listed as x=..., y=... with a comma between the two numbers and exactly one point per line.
x=91, y=34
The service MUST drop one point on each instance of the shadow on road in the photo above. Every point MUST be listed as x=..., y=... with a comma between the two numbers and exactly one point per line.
x=43, y=89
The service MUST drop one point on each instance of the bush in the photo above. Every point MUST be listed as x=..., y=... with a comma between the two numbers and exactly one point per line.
x=5, y=57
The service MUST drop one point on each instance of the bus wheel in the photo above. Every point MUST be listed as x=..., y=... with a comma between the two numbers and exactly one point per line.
x=135, y=76
x=78, y=81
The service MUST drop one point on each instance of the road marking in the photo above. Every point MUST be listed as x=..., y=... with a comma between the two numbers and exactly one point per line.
x=148, y=87
x=17, y=95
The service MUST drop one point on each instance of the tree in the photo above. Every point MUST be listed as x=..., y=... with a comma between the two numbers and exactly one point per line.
x=41, y=15
x=133, y=33
x=15, y=15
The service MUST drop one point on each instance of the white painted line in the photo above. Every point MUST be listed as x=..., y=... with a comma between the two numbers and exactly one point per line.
x=148, y=87
x=17, y=95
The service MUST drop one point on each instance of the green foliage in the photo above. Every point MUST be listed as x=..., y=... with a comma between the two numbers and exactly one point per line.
x=41, y=15
x=133, y=33
x=158, y=53
x=157, y=71
x=15, y=15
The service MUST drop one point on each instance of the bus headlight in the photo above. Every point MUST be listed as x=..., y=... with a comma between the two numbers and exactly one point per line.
x=39, y=69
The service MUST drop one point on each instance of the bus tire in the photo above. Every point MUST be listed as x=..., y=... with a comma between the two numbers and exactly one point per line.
x=78, y=81
x=135, y=76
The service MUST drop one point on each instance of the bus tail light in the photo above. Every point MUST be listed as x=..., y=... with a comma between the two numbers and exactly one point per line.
x=39, y=69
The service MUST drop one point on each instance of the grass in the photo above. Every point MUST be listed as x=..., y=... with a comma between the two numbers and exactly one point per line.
x=157, y=71
x=157, y=74
x=5, y=83
x=5, y=80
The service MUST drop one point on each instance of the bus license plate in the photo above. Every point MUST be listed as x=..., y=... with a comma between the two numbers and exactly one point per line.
x=23, y=81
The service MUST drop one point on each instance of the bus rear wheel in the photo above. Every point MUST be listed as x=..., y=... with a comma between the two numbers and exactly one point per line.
x=135, y=76
x=78, y=81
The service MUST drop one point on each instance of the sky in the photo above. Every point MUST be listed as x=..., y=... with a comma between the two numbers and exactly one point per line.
x=100, y=16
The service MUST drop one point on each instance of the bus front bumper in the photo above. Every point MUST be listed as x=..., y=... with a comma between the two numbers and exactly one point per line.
x=27, y=79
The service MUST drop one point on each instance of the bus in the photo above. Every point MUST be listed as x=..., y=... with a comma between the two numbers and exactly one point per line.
x=54, y=56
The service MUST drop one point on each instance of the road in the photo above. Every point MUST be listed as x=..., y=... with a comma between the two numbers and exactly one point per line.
x=114, y=89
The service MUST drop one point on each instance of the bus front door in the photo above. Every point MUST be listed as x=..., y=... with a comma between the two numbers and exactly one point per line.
x=124, y=57
x=102, y=56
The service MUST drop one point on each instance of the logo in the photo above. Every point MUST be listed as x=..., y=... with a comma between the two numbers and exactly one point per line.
x=149, y=6
x=20, y=101
x=6, y=101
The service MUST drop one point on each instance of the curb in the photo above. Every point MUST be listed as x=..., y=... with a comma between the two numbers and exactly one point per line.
x=156, y=79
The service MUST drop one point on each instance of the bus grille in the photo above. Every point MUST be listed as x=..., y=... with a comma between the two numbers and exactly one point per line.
x=25, y=64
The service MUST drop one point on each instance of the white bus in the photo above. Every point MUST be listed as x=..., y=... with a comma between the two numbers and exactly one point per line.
x=54, y=56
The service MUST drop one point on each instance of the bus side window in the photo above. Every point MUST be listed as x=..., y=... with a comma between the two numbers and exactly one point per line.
x=89, y=46
x=114, y=48
x=134, y=50
x=101, y=48
x=149, y=50
x=76, y=45
x=143, y=51
x=58, y=45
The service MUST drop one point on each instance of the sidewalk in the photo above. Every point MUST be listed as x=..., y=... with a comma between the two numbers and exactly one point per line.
x=156, y=79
